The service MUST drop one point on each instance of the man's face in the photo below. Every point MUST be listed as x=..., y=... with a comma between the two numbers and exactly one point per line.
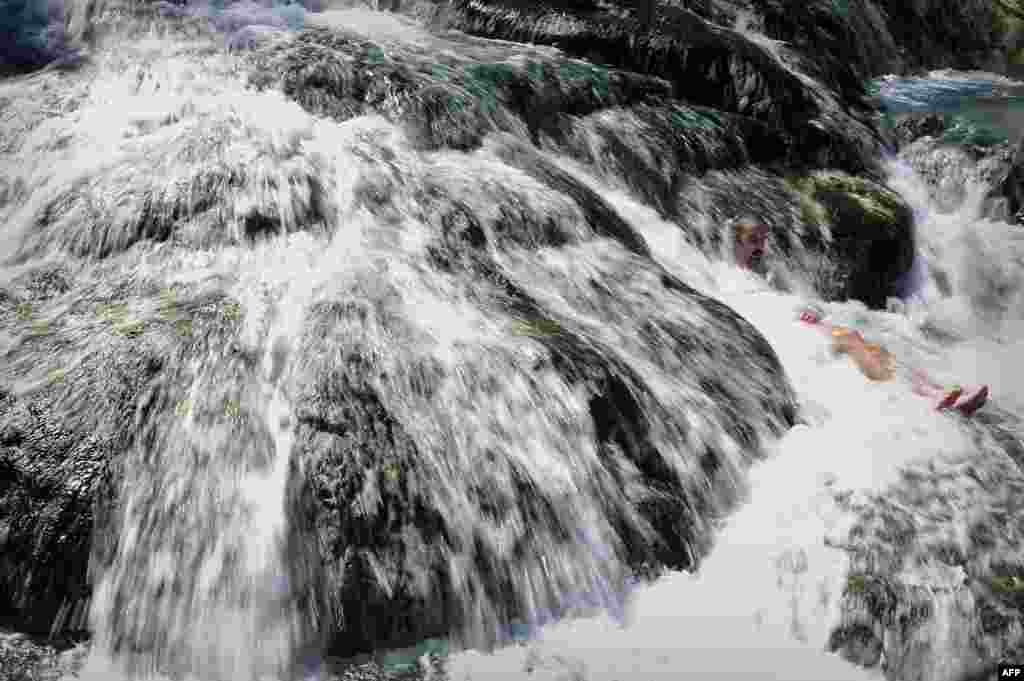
x=751, y=246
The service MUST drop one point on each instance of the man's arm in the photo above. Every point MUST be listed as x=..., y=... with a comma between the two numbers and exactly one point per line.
x=874, y=361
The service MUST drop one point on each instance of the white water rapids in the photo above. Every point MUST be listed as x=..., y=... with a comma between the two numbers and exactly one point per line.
x=764, y=601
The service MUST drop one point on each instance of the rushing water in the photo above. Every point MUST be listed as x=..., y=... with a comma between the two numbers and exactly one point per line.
x=212, y=496
x=201, y=582
x=764, y=601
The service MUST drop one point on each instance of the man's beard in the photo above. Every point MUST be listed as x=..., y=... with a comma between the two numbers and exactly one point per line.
x=757, y=262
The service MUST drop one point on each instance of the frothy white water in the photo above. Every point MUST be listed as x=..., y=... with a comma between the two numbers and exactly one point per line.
x=241, y=621
x=972, y=290
x=765, y=600
x=379, y=26
x=763, y=603
x=241, y=591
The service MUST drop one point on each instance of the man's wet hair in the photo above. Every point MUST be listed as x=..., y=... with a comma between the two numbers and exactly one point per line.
x=746, y=225
x=736, y=229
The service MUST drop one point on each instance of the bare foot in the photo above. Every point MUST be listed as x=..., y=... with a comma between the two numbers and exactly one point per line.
x=974, y=402
x=809, y=317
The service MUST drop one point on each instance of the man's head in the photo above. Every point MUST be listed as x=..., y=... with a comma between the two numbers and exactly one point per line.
x=750, y=242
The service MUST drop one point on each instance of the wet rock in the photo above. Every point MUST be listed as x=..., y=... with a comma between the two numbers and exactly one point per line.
x=872, y=231
x=938, y=605
x=391, y=538
x=948, y=170
x=34, y=658
x=60, y=442
x=178, y=187
x=49, y=474
x=1007, y=196
x=857, y=644
x=946, y=34
x=449, y=101
x=410, y=549
x=913, y=127
x=597, y=213
x=708, y=65
x=653, y=149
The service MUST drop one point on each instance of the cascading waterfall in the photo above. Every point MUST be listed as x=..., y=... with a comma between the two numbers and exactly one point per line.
x=194, y=602
x=198, y=581
x=764, y=602
x=202, y=584
x=970, y=285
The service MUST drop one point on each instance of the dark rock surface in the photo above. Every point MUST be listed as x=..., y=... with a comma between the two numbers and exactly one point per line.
x=416, y=505
x=383, y=540
x=61, y=439
x=913, y=127
x=34, y=658
x=708, y=65
x=944, y=34
x=873, y=232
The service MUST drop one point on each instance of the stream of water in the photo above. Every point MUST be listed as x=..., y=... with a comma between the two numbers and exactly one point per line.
x=201, y=574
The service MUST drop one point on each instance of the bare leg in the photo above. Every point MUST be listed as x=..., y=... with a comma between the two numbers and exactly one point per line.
x=965, y=400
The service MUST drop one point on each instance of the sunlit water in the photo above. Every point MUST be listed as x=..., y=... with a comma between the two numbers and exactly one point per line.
x=984, y=107
x=761, y=605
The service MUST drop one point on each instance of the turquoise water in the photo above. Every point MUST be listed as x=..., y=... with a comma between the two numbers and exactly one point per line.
x=980, y=109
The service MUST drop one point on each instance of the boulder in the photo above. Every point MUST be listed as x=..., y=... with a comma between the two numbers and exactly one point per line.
x=910, y=128
x=428, y=494
x=872, y=233
x=500, y=417
x=708, y=65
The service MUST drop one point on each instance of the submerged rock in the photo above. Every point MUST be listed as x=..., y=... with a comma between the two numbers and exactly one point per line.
x=910, y=128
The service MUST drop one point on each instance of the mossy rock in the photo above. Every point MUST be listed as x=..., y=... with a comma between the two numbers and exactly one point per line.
x=863, y=202
x=812, y=212
x=872, y=230
x=871, y=592
x=536, y=327
x=1011, y=584
x=1007, y=586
